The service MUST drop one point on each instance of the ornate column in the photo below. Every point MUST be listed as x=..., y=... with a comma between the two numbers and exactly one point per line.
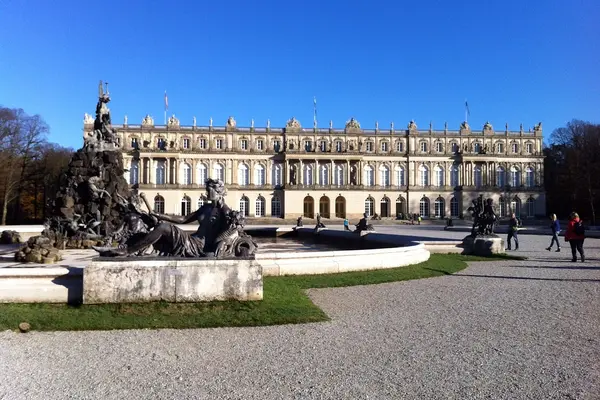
x=301, y=173
x=285, y=180
x=347, y=172
x=331, y=172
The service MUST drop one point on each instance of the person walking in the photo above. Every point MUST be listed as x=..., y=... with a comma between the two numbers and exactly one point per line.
x=346, y=224
x=513, y=228
x=555, y=226
x=575, y=235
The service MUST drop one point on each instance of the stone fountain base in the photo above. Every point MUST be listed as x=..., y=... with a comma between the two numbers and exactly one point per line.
x=140, y=280
x=483, y=245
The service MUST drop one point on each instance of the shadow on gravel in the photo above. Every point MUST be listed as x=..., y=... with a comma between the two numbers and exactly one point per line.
x=523, y=278
x=582, y=267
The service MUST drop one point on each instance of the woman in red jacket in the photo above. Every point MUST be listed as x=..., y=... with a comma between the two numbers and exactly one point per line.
x=575, y=239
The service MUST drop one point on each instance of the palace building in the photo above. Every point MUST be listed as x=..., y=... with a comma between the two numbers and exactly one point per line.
x=293, y=171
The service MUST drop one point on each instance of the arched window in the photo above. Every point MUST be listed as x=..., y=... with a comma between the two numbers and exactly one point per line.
x=260, y=207
x=309, y=207
x=324, y=174
x=400, y=206
x=438, y=207
x=244, y=206
x=515, y=206
x=324, y=206
x=134, y=172
x=530, y=207
x=502, y=206
x=219, y=172
x=201, y=174
x=439, y=175
x=384, y=207
x=424, y=207
x=400, y=178
x=454, y=176
x=275, y=207
x=186, y=173
x=201, y=201
x=515, y=176
x=454, y=207
x=340, y=207
x=308, y=174
x=276, y=174
x=454, y=147
x=384, y=175
x=529, y=177
x=186, y=205
x=424, y=175
x=159, y=204
x=259, y=175
x=500, y=148
x=477, y=176
x=369, y=176
x=160, y=172
x=500, y=177
x=369, y=206
x=515, y=148
x=243, y=175
x=338, y=176
x=439, y=147
x=477, y=148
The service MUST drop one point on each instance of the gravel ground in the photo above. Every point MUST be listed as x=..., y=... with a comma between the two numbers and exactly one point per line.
x=498, y=330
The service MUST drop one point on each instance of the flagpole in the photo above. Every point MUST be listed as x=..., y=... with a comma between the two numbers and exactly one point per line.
x=315, y=112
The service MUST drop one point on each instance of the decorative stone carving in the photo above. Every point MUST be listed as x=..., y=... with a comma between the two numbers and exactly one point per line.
x=230, y=122
x=148, y=120
x=465, y=125
x=293, y=123
x=487, y=126
x=352, y=124
x=412, y=126
x=330, y=124
x=87, y=119
x=538, y=127
x=220, y=232
x=173, y=121
x=484, y=217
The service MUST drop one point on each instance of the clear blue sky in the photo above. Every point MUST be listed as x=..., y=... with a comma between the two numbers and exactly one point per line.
x=515, y=61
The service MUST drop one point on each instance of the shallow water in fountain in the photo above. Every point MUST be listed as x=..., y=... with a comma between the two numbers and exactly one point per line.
x=290, y=245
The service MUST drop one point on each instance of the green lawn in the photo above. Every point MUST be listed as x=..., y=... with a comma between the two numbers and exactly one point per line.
x=285, y=302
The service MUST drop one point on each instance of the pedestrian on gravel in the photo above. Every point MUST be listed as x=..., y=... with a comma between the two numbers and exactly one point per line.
x=575, y=235
x=555, y=226
x=513, y=228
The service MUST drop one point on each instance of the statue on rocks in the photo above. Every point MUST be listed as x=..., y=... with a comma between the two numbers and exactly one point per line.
x=104, y=136
x=484, y=217
x=220, y=232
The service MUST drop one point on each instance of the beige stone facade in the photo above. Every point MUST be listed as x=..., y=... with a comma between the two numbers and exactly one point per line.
x=293, y=171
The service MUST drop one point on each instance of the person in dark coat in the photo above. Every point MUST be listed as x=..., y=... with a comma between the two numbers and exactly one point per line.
x=513, y=228
x=555, y=226
x=575, y=239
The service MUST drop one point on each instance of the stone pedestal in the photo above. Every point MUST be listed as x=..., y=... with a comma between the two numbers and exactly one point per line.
x=483, y=245
x=140, y=280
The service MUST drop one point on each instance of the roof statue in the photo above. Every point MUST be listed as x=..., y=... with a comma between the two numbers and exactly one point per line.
x=230, y=122
x=411, y=125
x=353, y=124
x=538, y=127
x=194, y=121
x=330, y=124
x=252, y=123
x=125, y=120
x=376, y=125
x=506, y=126
x=148, y=120
x=173, y=121
x=210, y=122
x=104, y=136
x=487, y=126
x=293, y=123
x=465, y=125
x=87, y=119
x=268, y=124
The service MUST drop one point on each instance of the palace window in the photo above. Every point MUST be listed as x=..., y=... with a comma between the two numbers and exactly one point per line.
x=529, y=177
x=477, y=148
x=161, y=144
x=384, y=172
x=529, y=148
x=243, y=175
x=134, y=143
x=308, y=145
x=424, y=207
x=202, y=143
x=515, y=206
x=134, y=172
x=186, y=205
x=477, y=176
x=201, y=201
x=308, y=174
x=323, y=145
x=369, y=176
x=384, y=146
x=369, y=206
x=159, y=204
x=400, y=146
x=500, y=177
x=160, y=172
x=423, y=147
x=259, y=175
x=259, y=144
x=502, y=207
x=439, y=147
x=515, y=177
x=277, y=146
x=369, y=146
x=260, y=207
x=530, y=207
x=454, y=207
x=455, y=147
x=439, y=175
x=276, y=174
x=275, y=207
x=454, y=176
x=515, y=148
x=324, y=174
x=219, y=172
x=400, y=176
x=244, y=206
x=186, y=143
x=338, y=177
x=424, y=175
x=500, y=147
x=187, y=173
x=338, y=146
x=201, y=170
x=244, y=144
x=438, y=207
x=219, y=144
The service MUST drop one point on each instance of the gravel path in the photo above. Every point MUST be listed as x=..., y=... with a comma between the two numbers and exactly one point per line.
x=501, y=330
